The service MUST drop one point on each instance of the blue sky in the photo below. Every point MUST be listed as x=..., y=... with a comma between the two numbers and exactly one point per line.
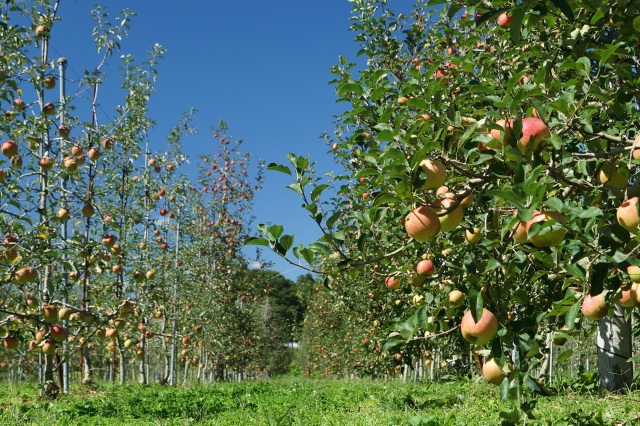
x=262, y=66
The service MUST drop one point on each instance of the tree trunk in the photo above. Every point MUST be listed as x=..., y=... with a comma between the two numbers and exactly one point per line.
x=87, y=374
x=614, y=350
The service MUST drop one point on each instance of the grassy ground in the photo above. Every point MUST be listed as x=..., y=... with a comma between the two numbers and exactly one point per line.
x=306, y=402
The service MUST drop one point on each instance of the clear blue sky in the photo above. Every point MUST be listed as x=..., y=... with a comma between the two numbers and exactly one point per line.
x=262, y=66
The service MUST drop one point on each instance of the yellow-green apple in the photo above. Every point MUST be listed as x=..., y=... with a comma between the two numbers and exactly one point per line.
x=116, y=249
x=594, y=307
x=25, y=275
x=634, y=273
x=503, y=135
x=422, y=224
x=473, y=236
x=452, y=219
x=561, y=340
x=636, y=152
x=456, y=298
x=629, y=295
x=534, y=130
x=49, y=347
x=627, y=215
x=94, y=153
x=609, y=175
x=550, y=235
x=64, y=313
x=63, y=213
x=50, y=313
x=128, y=343
x=441, y=191
x=70, y=163
x=492, y=373
x=151, y=274
x=392, y=282
x=425, y=267
x=416, y=280
x=9, y=149
x=504, y=20
x=88, y=210
x=435, y=171
x=108, y=240
x=480, y=332
x=467, y=200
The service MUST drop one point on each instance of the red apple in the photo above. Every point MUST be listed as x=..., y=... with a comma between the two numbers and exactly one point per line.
x=47, y=163
x=19, y=104
x=504, y=20
x=480, y=332
x=107, y=143
x=59, y=333
x=49, y=109
x=392, y=282
x=422, y=224
x=627, y=215
x=64, y=130
x=11, y=342
x=9, y=149
x=534, y=130
x=49, y=82
x=594, y=307
x=425, y=268
x=492, y=373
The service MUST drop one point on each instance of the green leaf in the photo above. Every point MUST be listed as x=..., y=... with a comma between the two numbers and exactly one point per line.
x=564, y=355
x=575, y=270
x=565, y=8
x=475, y=304
x=296, y=188
x=254, y=241
x=487, y=16
x=392, y=343
x=276, y=231
x=286, y=241
x=279, y=168
x=572, y=314
x=317, y=191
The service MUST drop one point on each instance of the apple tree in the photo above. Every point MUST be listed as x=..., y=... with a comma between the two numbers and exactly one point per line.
x=495, y=139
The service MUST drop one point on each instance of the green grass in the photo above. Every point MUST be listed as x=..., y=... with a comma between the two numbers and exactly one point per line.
x=305, y=402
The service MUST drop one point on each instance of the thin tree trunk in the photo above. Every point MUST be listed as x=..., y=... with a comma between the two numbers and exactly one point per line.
x=614, y=350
